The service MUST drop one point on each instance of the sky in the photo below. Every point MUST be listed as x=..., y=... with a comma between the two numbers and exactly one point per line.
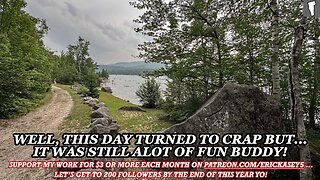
x=107, y=24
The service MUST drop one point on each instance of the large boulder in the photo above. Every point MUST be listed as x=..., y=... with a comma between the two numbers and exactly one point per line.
x=235, y=109
x=106, y=89
x=102, y=112
x=239, y=109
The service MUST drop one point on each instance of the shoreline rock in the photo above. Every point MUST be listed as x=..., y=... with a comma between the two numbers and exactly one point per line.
x=132, y=108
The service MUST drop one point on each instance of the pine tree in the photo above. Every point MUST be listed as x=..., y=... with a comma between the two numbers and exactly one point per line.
x=149, y=93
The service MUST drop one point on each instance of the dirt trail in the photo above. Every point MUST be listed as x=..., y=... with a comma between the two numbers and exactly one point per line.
x=46, y=118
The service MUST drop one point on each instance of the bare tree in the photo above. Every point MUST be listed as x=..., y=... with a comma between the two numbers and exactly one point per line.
x=295, y=96
x=276, y=89
x=314, y=93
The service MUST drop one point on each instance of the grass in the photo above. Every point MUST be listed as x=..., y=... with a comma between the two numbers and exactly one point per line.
x=47, y=97
x=78, y=119
x=131, y=121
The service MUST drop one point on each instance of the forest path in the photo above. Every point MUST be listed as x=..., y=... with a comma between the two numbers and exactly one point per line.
x=45, y=119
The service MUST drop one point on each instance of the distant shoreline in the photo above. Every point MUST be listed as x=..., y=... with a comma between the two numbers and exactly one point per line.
x=130, y=68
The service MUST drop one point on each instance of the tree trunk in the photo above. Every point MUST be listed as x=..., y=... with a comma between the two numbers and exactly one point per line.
x=296, y=104
x=314, y=95
x=276, y=89
x=219, y=59
x=251, y=61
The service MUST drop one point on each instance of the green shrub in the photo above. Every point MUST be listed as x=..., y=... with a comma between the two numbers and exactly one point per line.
x=149, y=93
x=92, y=81
x=84, y=90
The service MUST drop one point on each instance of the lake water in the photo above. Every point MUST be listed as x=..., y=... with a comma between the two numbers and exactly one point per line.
x=125, y=86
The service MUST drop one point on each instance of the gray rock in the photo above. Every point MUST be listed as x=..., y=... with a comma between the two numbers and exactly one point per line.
x=92, y=102
x=99, y=129
x=106, y=89
x=87, y=98
x=102, y=121
x=234, y=109
x=131, y=108
x=97, y=106
x=95, y=119
x=102, y=112
x=78, y=91
x=74, y=87
x=240, y=109
x=114, y=128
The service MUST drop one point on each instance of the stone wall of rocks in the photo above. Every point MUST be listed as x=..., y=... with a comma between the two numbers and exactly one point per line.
x=101, y=119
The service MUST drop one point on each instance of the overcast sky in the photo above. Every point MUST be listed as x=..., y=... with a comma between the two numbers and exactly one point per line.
x=107, y=24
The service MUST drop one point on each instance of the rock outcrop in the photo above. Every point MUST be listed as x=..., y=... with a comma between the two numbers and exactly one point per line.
x=234, y=109
x=241, y=109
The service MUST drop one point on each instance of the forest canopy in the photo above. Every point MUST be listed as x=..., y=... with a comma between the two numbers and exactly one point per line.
x=25, y=67
x=206, y=43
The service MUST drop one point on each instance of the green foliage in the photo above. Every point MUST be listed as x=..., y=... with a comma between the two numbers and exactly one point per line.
x=104, y=74
x=207, y=43
x=91, y=81
x=149, y=93
x=192, y=48
x=84, y=90
x=25, y=67
x=65, y=71
x=76, y=66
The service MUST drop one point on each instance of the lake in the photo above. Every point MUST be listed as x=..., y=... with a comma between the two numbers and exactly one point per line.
x=125, y=86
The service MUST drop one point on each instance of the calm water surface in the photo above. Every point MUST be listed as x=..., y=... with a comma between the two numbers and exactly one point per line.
x=125, y=86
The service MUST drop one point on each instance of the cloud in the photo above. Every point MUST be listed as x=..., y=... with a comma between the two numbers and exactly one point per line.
x=73, y=10
x=107, y=24
x=111, y=31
